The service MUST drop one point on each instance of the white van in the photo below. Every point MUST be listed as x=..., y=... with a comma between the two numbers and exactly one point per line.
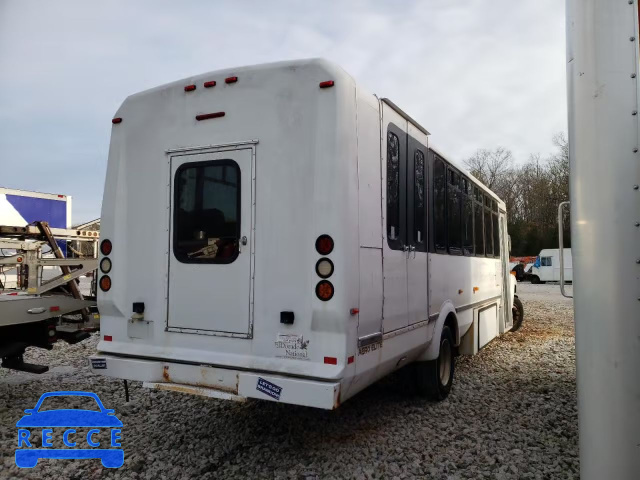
x=276, y=232
x=547, y=266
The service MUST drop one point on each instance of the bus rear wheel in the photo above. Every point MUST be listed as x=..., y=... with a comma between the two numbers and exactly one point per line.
x=435, y=377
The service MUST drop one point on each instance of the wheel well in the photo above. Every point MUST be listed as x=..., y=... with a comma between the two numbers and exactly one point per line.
x=452, y=322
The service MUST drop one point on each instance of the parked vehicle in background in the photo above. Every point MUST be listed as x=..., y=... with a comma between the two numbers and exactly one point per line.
x=547, y=266
x=518, y=270
x=527, y=271
x=303, y=240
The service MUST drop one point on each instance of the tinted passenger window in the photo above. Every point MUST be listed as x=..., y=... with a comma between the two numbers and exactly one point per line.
x=496, y=236
x=467, y=218
x=419, y=202
x=488, y=240
x=439, y=181
x=453, y=213
x=479, y=231
x=206, y=216
x=393, y=187
x=545, y=262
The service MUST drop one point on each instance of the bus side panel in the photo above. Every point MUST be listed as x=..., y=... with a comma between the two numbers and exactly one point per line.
x=369, y=215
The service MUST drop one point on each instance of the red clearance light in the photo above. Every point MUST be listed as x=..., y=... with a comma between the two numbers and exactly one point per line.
x=327, y=84
x=231, y=80
x=54, y=309
x=209, y=84
x=331, y=360
x=60, y=196
x=189, y=88
x=207, y=116
x=354, y=311
x=108, y=338
x=350, y=359
x=116, y=120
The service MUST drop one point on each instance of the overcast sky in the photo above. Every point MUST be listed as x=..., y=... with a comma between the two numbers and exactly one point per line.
x=475, y=73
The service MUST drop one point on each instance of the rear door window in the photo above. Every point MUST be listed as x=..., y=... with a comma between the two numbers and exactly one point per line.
x=206, y=216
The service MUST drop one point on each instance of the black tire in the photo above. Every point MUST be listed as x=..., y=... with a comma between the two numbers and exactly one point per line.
x=434, y=378
x=535, y=279
x=518, y=314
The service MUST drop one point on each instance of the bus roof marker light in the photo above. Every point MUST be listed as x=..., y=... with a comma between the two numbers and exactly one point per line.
x=207, y=116
x=189, y=88
x=116, y=120
x=210, y=84
x=327, y=84
x=229, y=80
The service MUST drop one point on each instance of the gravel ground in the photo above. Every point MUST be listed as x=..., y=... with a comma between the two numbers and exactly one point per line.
x=511, y=414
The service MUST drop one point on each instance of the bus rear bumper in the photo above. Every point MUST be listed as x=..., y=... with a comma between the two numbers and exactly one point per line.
x=222, y=383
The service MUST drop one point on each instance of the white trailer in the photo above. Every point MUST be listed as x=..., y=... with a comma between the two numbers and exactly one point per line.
x=604, y=133
x=275, y=232
x=547, y=266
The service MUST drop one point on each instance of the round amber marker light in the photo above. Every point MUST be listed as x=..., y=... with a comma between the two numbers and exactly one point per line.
x=324, y=290
x=105, y=283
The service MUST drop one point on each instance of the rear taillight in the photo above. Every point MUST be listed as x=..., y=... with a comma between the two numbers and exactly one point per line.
x=324, y=244
x=106, y=247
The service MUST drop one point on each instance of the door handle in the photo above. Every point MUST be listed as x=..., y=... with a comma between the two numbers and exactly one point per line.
x=412, y=248
x=405, y=249
x=243, y=240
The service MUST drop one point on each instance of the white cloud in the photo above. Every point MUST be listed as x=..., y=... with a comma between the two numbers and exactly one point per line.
x=475, y=73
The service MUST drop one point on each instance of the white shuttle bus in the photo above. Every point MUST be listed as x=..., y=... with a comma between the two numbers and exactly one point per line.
x=275, y=232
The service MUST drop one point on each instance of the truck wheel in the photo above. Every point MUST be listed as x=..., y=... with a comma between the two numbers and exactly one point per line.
x=535, y=279
x=518, y=314
x=434, y=378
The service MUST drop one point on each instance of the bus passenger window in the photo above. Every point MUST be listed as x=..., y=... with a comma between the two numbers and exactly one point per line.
x=418, y=200
x=488, y=229
x=439, y=225
x=393, y=191
x=453, y=213
x=496, y=236
x=467, y=218
x=496, y=231
x=478, y=210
